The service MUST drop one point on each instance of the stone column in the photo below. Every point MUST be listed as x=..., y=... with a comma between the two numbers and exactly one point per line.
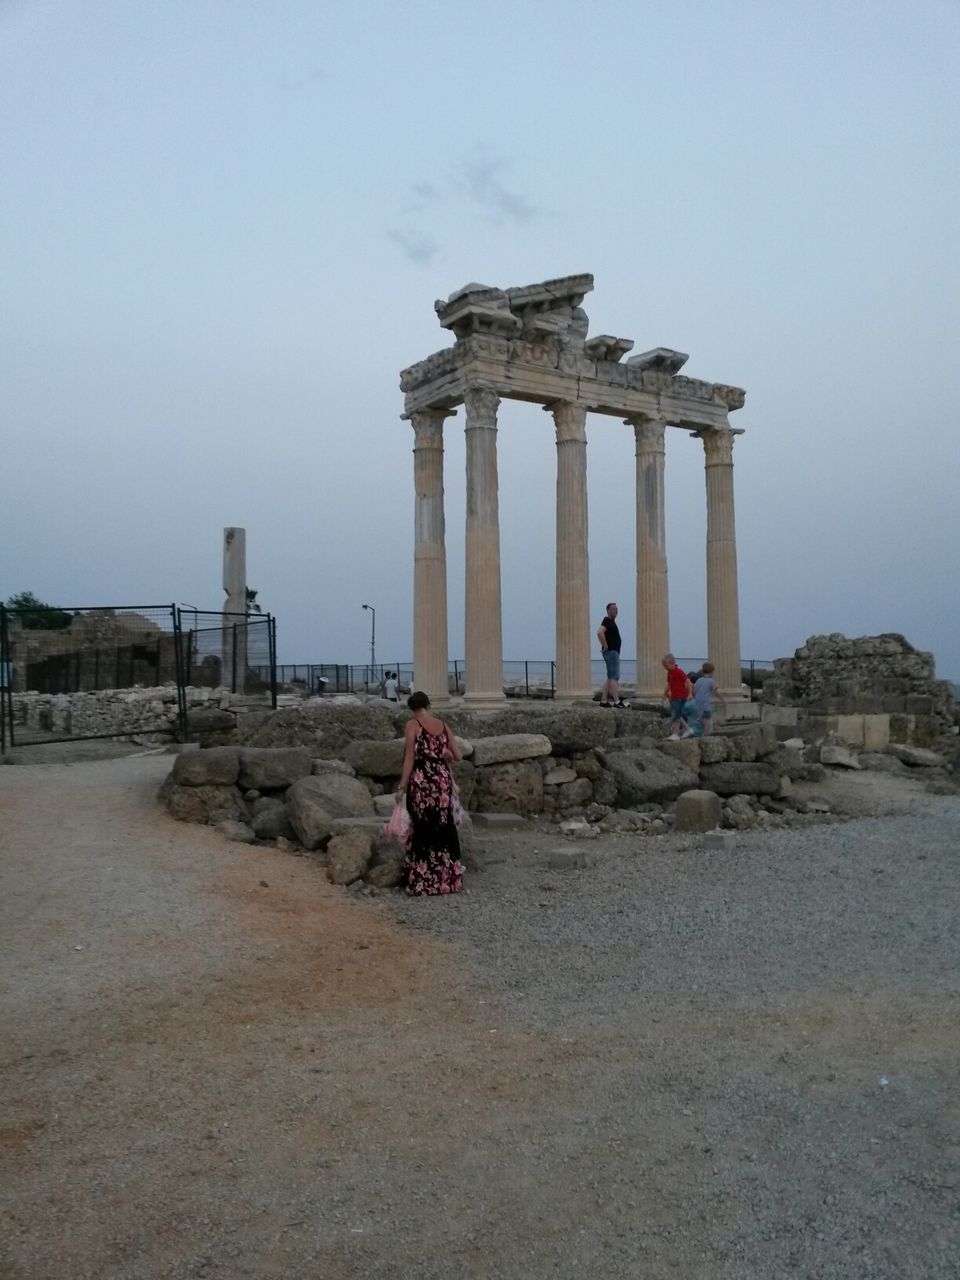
x=429, y=557
x=573, y=578
x=234, y=641
x=653, y=619
x=723, y=608
x=484, y=638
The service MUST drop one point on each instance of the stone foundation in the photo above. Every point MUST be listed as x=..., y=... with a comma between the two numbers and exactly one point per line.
x=872, y=690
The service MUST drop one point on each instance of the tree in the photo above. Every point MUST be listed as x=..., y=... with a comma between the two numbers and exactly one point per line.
x=37, y=616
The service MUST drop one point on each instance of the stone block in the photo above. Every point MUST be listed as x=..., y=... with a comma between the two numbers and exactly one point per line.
x=573, y=795
x=348, y=856
x=375, y=759
x=212, y=767
x=310, y=818
x=876, y=732
x=713, y=749
x=200, y=804
x=686, y=750
x=697, y=811
x=779, y=717
x=878, y=762
x=268, y=767
x=916, y=757
x=339, y=795
x=834, y=751
x=273, y=821
x=385, y=875
x=918, y=704
x=587, y=766
x=512, y=787
x=383, y=805
x=557, y=777
x=509, y=748
x=737, y=777
x=647, y=775
x=850, y=729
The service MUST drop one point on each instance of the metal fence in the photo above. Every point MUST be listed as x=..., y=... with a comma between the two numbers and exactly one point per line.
x=522, y=678
x=50, y=657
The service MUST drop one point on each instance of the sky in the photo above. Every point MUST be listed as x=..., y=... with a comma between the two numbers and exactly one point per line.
x=223, y=227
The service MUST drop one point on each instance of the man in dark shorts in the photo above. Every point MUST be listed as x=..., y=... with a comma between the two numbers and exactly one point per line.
x=609, y=637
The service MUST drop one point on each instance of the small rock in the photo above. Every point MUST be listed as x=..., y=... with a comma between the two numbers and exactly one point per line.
x=719, y=840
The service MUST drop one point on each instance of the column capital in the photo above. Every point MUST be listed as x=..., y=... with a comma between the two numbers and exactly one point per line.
x=648, y=432
x=428, y=425
x=570, y=420
x=718, y=444
x=481, y=403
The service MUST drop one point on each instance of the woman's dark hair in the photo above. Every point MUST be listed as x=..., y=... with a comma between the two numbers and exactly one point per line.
x=418, y=701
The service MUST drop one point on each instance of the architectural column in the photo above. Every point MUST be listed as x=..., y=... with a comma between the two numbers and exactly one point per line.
x=429, y=557
x=573, y=577
x=483, y=649
x=723, y=608
x=653, y=619
x=233, y=669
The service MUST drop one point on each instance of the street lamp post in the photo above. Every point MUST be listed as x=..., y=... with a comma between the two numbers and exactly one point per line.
x=373, y=638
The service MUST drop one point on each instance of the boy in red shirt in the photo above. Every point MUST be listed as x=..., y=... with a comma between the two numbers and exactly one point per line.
x=678, y=690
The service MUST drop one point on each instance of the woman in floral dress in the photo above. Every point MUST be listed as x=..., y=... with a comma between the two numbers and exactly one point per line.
x=432, y=864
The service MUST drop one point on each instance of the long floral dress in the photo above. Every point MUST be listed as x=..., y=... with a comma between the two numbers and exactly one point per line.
x=432, y=864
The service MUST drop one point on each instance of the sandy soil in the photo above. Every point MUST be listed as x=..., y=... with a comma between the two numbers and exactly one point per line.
x=216, y=1064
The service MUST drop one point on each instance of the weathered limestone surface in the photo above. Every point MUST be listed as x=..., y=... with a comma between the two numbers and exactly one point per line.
x=516, y=746
x=273, y=766
x=735, y=777
x=483, y=648
x=653, y=627
x=430, y=557
x=697, y=811
x=645, y=776
x=723, y=610
x=216, y=766
x=348, y=856
x=871, y=690
x=515, y=787
x=572, y=569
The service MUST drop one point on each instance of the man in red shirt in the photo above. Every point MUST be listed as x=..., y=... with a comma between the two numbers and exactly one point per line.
x=678, y=690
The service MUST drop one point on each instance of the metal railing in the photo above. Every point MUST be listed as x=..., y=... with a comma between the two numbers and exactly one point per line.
x=522, y=678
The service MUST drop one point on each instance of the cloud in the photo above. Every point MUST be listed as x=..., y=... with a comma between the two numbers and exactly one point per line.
x=418, y=246
x=483, y=183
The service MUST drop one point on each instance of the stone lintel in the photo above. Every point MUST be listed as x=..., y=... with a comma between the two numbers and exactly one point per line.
x=564, y=291
x=540, y=385
x=659, y=358
x=605, y=347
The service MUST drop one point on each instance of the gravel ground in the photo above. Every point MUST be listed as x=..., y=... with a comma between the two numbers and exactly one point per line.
x=674, y=1063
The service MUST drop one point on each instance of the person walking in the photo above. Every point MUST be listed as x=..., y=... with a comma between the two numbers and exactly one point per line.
x=677, y=692
x=432, y=864
x=609, y=636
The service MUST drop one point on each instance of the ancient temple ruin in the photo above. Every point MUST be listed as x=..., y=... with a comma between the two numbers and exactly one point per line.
x=531, y=344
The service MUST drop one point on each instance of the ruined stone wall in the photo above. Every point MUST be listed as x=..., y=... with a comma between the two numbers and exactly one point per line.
x=108, y=712
x=835, y=676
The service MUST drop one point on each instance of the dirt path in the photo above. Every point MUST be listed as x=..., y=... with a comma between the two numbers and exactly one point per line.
x=216, y=1065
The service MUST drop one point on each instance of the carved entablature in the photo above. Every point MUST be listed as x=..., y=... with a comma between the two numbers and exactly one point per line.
x=439, y=363
x=605, y=347
x=531, y=344
x=732, y=397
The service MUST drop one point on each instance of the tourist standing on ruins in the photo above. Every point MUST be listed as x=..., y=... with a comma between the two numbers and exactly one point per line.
x=703, y=690
x=432, y=864
x=609, y=637
x=678, y=690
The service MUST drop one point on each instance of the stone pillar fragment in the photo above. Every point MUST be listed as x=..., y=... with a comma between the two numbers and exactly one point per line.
x=653, y=619
x=430, y=557
x=483, y=649
x=234, y=642
x=723, y=607
x=572, y=567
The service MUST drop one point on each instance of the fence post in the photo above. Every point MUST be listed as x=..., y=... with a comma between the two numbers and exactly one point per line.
x=456, y=676
x=233, y=663
x=526, y=676
x=272, y=644
x=5, y=666
x=178, y=671
x=553, y=687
